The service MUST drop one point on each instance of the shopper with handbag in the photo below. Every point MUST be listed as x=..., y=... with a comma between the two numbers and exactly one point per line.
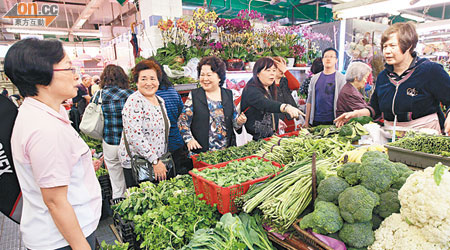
x=115, y=92
x=143, y=149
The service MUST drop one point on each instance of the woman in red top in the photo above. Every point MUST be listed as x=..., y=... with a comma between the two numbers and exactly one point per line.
x=286, y=83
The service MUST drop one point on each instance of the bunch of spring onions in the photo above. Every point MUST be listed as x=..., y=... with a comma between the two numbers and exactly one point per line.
x=284, y=198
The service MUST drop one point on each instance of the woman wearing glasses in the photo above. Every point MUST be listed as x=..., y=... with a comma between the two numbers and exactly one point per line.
x=61, y=195
x=209, y=117
x=410, y=89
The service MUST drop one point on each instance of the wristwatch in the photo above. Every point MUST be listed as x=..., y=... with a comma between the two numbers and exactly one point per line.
x=155, y=161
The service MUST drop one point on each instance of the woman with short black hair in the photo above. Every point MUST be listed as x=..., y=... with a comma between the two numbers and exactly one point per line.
x=61, y=194
x=260, y=97
x=212, y=107
x=410, y=89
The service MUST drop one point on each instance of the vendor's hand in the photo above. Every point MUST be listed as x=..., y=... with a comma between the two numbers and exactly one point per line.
x=344, y=118
x=160, y=171
x=281, y=65
x=241, y=119
x=306, y=124
x=293, y=112
x=447, y=125
x=193, y=144
x=281, y=125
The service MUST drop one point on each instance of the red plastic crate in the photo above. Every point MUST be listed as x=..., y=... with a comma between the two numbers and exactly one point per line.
x=197, y=163
x=224, y=196
x=293, y=133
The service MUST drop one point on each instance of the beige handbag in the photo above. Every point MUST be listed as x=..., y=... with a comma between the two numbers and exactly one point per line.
x=93, y=121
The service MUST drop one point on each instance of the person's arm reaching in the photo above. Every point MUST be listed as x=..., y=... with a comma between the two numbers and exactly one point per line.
x=64, y=217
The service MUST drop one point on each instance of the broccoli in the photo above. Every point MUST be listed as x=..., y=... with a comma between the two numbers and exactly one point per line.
x=376, y=174
x=403, y=173
x=376, y=221
x=358, y=234
x=349, y=171
x=324, y=220
x=335, y=236
x=389, y=204
x=372, y=155
x=356, y=204
x=347, y=131
x=330, y=188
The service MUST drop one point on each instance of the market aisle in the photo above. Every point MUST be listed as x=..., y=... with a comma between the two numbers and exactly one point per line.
x=10, y=238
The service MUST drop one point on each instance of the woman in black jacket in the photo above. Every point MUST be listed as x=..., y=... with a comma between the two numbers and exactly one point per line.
x=209, y=115
x=260, y=97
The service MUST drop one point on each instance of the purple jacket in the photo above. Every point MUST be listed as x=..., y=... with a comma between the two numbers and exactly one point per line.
x=349, y=99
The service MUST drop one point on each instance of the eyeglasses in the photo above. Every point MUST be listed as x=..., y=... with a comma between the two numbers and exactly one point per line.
x=74, y=70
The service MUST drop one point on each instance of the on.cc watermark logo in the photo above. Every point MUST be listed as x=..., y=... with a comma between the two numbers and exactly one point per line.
x=29, y=14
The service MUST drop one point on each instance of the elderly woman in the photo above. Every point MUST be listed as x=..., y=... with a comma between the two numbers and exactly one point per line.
x=209, y=116
x=144, y=116
x=114, y=92
x=259, y=98
x=410, y=89
x=61, y=194
x=350, y=97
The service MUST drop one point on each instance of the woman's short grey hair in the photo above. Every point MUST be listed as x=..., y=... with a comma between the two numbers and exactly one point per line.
x=356, y=71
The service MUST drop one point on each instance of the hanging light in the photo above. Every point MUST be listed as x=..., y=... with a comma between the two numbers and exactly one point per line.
x=84, y=56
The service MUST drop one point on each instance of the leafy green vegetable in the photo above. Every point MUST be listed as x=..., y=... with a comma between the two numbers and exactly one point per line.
x=232, y=232
x=101, y=171
x=237, y=172
x=166, y=215
x=439, y=171
x=230, y=153
x=117, y=246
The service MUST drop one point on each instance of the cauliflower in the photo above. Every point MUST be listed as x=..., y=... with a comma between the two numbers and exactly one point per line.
x=356, y=204
x=330, y=188
x=427, y=205
x=324, y=220
x=395, y=234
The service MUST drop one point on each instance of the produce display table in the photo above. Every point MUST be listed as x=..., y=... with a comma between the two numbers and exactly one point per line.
x=415, y=158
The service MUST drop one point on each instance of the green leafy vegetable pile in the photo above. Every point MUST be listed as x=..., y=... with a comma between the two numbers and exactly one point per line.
x=101, y=171
x=92, y=143
x=237, y=172
x=232, y=232
x=166, y=216
x=431, y=144
x=350, y=131
x=230, y=153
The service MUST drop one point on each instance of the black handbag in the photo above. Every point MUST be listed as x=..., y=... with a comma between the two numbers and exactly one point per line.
x=141, y=168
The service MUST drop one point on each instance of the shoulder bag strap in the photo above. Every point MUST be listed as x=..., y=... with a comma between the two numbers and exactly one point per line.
x=166, y=123
x=127, y=146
